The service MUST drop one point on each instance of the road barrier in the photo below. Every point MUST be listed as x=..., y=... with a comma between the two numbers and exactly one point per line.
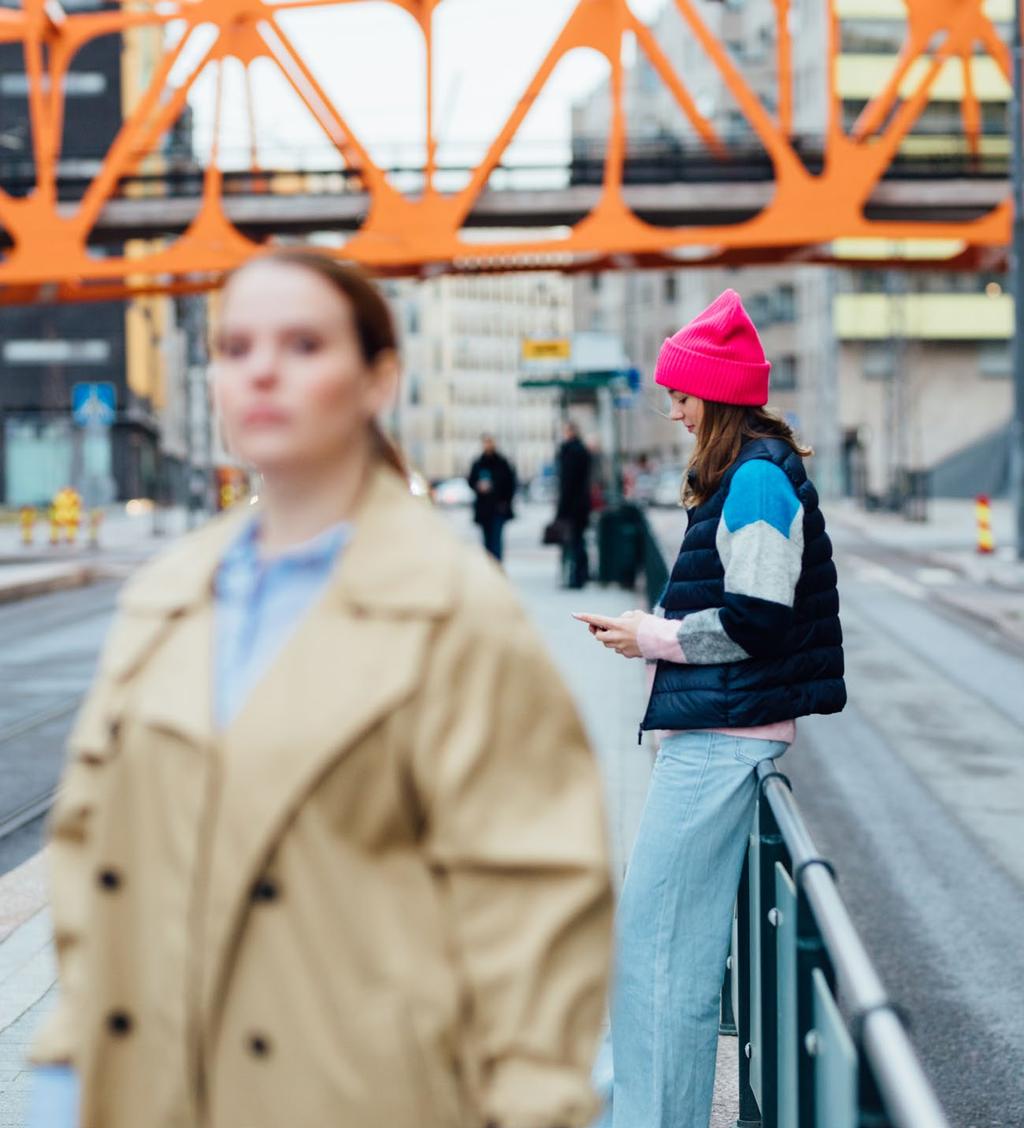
x=822, y=1045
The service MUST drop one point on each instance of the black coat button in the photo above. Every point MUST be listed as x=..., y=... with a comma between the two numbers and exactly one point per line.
x=259, y=1045
x=110, y=879
x=266, y=890
x=119, y=1023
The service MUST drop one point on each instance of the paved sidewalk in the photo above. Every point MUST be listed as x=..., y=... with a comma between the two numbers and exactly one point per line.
x=609, y=692
x=948, y=537
x=27, y=975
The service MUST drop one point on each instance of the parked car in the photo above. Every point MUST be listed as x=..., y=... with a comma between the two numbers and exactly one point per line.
x=453, y=492
x=643, y=488
x=667, y=488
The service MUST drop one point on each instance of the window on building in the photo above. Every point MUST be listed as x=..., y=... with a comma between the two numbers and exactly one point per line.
x=784, y=374
x=785, y=304
x=995, y=359
x=595, y=283
x=759, y=306
x=735, y=47
x=877, y=363
x=871, y=281
x=670, y=288
x=871, y=37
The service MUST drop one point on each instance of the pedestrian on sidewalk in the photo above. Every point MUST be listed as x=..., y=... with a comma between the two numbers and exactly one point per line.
x=747, y=639
x=575, y=467
x=494, y=483
x=329, y=849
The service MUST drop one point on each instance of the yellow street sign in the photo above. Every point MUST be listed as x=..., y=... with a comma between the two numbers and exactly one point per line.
x=557, y=349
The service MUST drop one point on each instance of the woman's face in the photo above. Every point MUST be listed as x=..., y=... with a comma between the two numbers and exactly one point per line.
x=687, y=410
x=289, y=378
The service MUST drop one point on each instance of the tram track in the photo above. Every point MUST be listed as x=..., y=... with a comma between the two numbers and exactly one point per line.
x=39, y=802
x=46, y=665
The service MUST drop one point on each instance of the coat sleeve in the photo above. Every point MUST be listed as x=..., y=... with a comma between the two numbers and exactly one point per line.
x=516, y=833
x=73, y=863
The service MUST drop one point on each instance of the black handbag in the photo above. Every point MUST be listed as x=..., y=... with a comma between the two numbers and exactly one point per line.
x=558, y=532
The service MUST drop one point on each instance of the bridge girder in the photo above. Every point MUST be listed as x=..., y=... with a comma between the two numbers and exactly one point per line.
x=49, y=258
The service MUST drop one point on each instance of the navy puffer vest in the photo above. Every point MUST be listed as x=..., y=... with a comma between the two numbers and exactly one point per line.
x=804, y=671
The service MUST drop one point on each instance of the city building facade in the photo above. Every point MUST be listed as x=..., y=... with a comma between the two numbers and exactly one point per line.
x=462, y=342
x=46, y=350
x=866, y=363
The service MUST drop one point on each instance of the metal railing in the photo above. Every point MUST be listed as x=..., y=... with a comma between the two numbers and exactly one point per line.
x=821, y=1043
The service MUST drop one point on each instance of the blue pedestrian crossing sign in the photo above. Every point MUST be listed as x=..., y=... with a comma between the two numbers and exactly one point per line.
x=93, y=405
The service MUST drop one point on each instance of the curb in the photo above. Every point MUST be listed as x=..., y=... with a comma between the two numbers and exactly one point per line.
x=26, y=589
x=990, y=620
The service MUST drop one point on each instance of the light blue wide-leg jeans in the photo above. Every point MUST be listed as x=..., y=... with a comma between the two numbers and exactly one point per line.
x=674, y=927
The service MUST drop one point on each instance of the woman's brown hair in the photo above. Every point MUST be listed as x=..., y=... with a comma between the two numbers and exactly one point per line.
x=724, y=430
x=374, y=324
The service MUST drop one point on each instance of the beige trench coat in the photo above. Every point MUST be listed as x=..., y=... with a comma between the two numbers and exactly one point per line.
x=379, y=899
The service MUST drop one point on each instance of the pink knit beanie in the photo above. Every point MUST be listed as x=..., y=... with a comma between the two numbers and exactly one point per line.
x=717, y=357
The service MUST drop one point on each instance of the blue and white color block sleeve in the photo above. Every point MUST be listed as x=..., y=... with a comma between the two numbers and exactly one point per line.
x=760, y=541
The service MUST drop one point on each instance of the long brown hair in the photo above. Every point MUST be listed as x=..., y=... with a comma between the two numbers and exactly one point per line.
x=723, y=431
x=374, y=324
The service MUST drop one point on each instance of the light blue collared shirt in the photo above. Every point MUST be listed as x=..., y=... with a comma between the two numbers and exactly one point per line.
x=258, y=603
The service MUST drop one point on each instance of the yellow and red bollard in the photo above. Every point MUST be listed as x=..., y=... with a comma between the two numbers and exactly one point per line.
x=28, y=525
x=983, y=512
x=66, y=514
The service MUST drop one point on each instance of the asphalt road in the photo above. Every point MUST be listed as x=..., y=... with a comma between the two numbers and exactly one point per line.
x=47, y=657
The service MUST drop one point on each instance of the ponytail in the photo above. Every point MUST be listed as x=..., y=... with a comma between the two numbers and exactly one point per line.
x=388, y=451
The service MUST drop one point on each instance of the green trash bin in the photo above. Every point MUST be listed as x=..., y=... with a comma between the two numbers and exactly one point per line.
x=620, y=546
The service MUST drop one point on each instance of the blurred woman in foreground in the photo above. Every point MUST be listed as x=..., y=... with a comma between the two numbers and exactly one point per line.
x=329, y=849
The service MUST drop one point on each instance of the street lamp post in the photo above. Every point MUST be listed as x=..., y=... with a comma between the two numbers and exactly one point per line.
x=1017, y=275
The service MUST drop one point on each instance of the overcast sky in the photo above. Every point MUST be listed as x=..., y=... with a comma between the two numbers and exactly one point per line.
x=369, y=58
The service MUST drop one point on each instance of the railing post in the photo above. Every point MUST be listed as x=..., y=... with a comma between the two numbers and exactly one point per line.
x=810, y=955
x=726, y=1011
x=750, y=1114
x=771, y=850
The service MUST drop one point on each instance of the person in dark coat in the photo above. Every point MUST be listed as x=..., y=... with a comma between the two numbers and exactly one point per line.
x=493, y=480
x=575, y=467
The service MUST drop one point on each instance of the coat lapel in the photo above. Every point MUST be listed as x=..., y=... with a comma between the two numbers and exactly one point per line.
x=165, y=625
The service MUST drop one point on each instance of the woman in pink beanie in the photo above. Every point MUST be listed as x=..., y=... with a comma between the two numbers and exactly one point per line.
x=747, y=639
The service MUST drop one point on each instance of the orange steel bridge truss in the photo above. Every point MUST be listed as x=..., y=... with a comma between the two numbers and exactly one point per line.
x=48, y=257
